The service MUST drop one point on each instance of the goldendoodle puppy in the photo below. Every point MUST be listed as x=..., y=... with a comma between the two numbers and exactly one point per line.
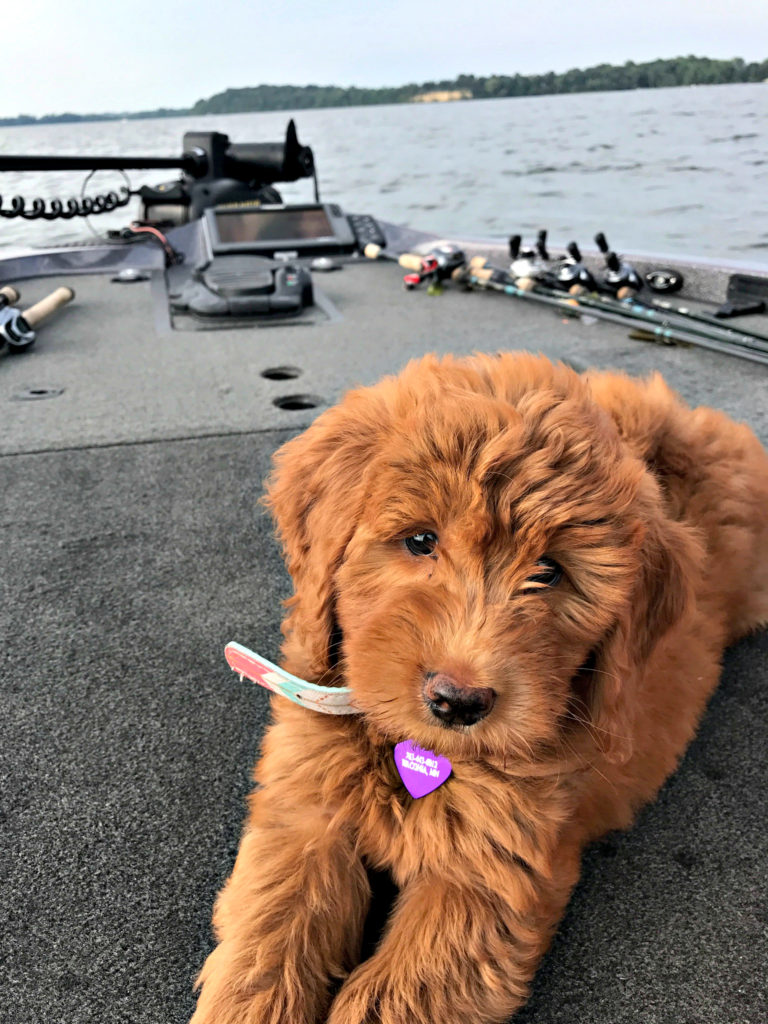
x=529, y=574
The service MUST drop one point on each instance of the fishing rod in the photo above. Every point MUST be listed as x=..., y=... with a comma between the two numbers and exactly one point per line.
x=17, y=327
x=641, y=311
x=622, y=280
x=570, y=275
x=498, y=280
x=706, y=318
x=746, y=339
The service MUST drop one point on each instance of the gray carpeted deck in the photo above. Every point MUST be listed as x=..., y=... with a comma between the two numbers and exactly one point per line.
x=133, y=549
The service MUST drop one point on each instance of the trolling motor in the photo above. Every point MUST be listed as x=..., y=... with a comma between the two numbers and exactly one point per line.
x=215, y=171
x=226, y=172
x=620, y=278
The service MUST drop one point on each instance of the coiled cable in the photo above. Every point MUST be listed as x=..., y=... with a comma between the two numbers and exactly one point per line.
x=57, y=209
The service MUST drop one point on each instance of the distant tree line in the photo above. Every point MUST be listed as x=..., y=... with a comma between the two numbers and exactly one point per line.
x=654, y=74
x=601, y=78
x=604, y=77
x=137, y=115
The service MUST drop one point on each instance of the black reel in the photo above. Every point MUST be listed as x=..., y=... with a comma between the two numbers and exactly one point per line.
x=527, y=262
x=449, y=258
x=571, y=272
x=619, y=276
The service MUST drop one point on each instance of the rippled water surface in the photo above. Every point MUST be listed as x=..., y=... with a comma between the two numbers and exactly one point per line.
x=664, y=170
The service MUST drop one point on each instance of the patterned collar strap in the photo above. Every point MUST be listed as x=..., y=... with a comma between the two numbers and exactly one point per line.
x=331, y=700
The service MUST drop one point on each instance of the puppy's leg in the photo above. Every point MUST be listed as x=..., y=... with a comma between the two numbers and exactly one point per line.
x=459, y=949
x=290, y=919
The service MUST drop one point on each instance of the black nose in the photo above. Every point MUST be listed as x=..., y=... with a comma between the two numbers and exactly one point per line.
x=454, y=703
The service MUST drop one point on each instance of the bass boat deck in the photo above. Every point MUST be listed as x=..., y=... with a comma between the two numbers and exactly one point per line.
x=133, y=449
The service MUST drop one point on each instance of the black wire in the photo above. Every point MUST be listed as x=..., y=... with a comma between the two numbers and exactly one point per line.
x=57, y=209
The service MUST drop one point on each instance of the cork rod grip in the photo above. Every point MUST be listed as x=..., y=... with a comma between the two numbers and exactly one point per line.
x=407, y=260
x=9, y=293
x=410, y=261
x=43, y=309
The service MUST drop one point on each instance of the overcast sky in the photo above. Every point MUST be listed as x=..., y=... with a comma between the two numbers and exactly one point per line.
x=91, y=55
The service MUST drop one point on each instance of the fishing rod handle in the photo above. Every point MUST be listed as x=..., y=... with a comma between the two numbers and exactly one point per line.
x=407, y=260
x=45, y=307
x=372, y=251
x=411, y=261
x=9, y=296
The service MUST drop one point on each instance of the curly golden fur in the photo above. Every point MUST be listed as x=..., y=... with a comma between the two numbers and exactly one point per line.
x=656, y=516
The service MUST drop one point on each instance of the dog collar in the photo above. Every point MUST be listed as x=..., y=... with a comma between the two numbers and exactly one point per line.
x=331, y=700
x=422, y=771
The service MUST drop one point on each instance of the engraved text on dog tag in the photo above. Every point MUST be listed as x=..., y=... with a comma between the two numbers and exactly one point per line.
x=421, y=770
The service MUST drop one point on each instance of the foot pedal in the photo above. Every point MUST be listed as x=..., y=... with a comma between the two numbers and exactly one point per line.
x=246, y=286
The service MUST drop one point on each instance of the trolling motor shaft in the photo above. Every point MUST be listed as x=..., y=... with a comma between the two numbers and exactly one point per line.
x=17, y=328
x=206, y=155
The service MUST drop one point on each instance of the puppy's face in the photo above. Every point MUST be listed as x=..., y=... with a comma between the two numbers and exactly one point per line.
x=478, y=532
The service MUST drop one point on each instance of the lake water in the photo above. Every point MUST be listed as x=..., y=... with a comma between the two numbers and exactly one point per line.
x=680, y=171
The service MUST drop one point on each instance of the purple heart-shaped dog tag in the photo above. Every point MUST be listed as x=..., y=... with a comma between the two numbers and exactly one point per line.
x=421, y=770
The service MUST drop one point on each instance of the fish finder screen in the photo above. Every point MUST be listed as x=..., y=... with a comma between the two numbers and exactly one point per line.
x=273, y=225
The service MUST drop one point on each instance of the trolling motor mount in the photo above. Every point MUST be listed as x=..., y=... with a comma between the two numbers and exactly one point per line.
x=219, y=172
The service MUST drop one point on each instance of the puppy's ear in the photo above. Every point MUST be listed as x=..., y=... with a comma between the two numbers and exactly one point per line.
x=670, y=556
x=315, y=494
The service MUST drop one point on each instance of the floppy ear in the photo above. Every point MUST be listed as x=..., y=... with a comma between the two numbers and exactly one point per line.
x=670, y=557
x=315, y=494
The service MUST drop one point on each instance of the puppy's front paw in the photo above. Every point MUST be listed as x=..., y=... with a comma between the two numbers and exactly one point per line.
x=269, y=1006
x=368, y=997
x=357, y=1004
x=234, y=992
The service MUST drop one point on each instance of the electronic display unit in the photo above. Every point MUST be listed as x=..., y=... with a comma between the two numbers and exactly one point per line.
x=309, y=229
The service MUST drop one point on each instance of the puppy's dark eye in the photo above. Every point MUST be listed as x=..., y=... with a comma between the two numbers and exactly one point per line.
x=421, y=543
x=548, y=574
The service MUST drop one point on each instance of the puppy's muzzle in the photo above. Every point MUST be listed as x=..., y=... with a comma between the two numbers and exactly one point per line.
x=454, y=703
